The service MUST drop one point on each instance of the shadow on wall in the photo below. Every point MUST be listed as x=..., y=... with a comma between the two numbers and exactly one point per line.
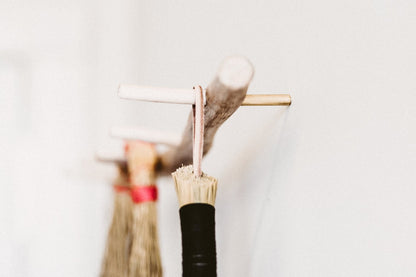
x=247, y=181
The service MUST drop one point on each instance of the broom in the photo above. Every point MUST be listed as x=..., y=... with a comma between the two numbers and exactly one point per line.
x=196, y=194
x=144, y=258
x=115, y=260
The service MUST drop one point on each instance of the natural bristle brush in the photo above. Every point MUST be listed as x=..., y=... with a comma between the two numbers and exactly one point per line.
x=196, y=197
x=144, y=253
x=196, y=194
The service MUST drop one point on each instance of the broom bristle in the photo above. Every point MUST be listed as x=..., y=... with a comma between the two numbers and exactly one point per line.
x=192, y=189
x=115, y=263
x=145, y=258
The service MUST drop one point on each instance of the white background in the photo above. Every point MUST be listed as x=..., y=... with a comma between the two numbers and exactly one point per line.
x=323, y=188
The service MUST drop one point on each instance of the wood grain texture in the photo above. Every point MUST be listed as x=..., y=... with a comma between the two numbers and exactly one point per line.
x=223, y=97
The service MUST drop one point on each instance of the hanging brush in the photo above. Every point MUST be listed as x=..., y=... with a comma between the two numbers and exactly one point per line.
x=115, y=262
x=196, y=197
x=144, y=258
x=196, y=194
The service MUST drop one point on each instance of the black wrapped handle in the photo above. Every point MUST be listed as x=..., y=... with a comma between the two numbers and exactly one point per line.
x=199, y=257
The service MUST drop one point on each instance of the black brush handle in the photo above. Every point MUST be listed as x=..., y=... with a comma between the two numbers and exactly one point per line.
x=199, y=257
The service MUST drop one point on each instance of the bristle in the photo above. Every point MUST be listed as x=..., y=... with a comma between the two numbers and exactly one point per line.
x=192, y=189
x=145, y=260
x=116, y=257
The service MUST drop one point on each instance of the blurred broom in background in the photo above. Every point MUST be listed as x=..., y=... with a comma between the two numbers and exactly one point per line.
x=115, y=263
x=144, y=254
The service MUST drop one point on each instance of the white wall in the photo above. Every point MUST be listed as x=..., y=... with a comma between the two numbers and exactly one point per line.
x=323, y=188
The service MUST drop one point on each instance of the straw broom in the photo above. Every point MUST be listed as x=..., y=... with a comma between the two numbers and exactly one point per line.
x=145, y=254
x=115, y=260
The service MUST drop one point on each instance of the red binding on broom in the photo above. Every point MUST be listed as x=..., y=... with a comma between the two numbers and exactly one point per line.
x=140, y=194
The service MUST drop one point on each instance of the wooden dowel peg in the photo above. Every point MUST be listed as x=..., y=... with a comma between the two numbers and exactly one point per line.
x=187, y=96
x=267, y=100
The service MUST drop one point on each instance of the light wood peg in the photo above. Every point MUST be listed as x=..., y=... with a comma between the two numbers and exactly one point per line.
x=267, y=100
x=187, y=96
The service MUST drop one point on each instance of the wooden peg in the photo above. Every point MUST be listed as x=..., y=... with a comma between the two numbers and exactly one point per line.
x=187, y=96
x=267, y=100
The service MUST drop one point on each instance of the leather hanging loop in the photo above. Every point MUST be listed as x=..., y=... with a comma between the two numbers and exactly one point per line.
x=198, y=130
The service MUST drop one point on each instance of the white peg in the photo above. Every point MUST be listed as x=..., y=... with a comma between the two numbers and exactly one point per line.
x=187, y=96
x=157, y=94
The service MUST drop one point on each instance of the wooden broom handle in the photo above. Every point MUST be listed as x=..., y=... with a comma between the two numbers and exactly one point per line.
x=223, y=97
